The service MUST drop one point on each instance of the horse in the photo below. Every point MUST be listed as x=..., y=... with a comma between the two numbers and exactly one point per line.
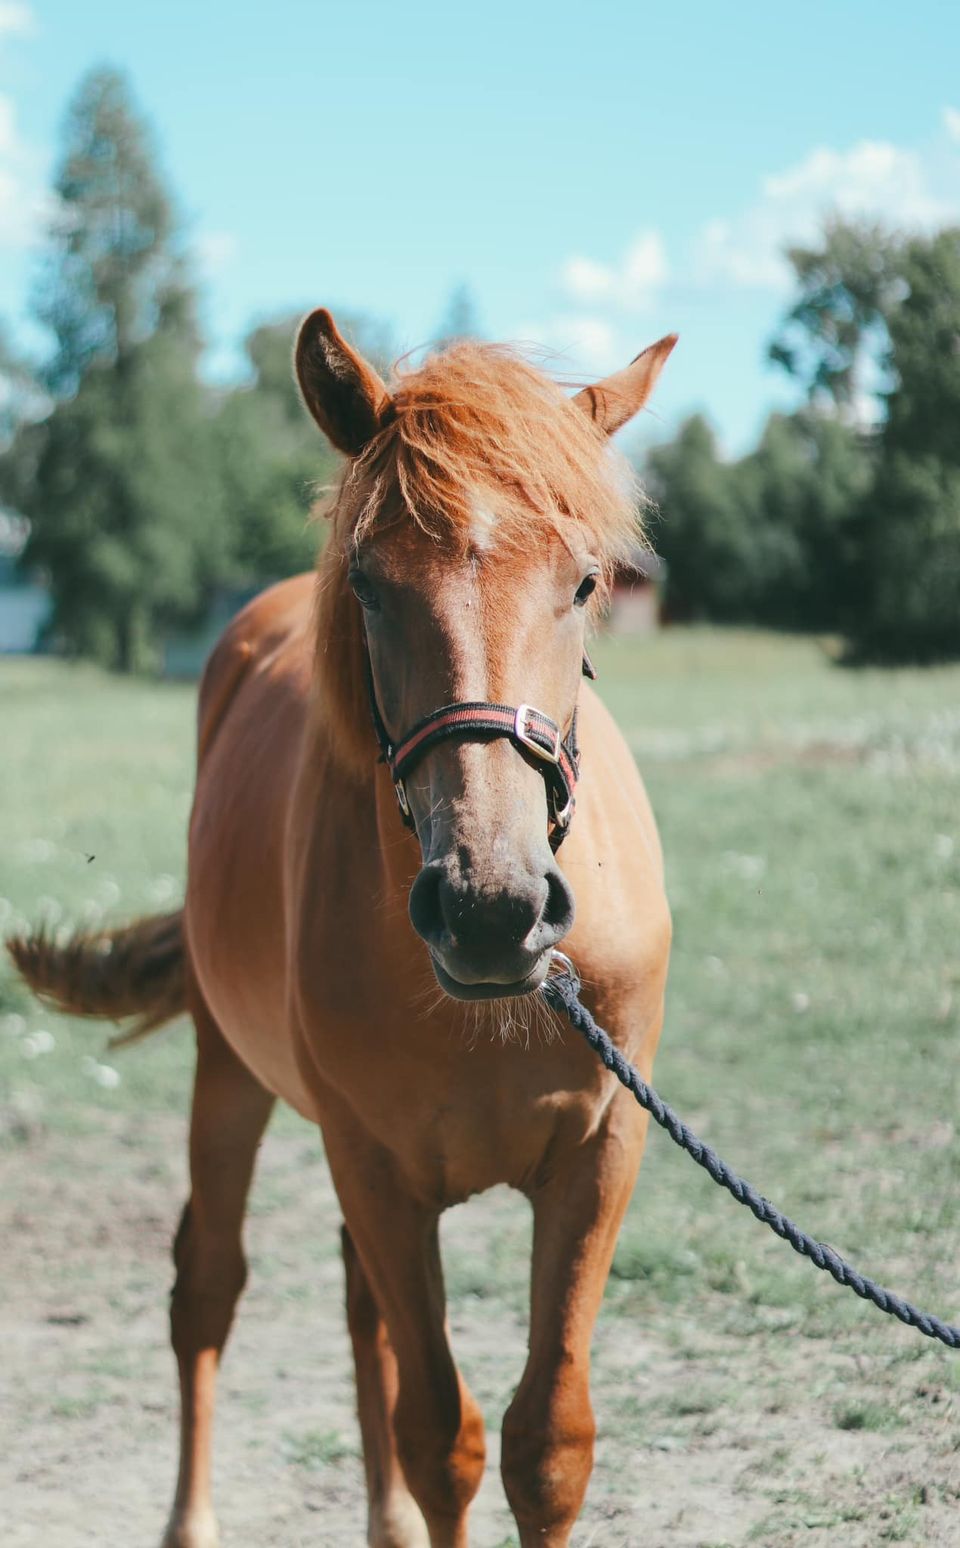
x=366, y=928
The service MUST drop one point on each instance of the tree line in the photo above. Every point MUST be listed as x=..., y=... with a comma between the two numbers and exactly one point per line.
x=146, y=490
x=837, y=522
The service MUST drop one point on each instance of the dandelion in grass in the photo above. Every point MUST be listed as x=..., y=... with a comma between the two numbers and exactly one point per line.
x=36, y=851
x=104, y=1074
x=40, y=1042
x=163, y=889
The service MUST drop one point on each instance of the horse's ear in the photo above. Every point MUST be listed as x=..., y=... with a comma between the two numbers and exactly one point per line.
x=617, y=398
x=343, y=393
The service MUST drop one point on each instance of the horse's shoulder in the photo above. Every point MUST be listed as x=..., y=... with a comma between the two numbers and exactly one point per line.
x=273, y=627
x=612, y=783
x=598, y=731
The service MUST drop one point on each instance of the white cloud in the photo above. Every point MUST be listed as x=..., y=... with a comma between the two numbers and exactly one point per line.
x=872, y=178
x=629, y=285
x=730, y=250
x=23, y=203
x=585, y=278
x=590, y=341
x=215, y=251
x=16, y=20
x=592, y=324
x=8, y=131
x=577, y=343
x=600, y=299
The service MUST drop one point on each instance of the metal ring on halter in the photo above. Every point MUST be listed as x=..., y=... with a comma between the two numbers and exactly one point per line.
x=561, y=963
x=562, y=815
x=401, y=790
x=523, y=733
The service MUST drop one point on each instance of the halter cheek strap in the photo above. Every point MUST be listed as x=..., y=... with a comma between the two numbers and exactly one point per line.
x=537, y=736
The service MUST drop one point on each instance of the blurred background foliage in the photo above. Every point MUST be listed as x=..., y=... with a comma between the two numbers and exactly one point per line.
x=148, y=491
x=838, y=520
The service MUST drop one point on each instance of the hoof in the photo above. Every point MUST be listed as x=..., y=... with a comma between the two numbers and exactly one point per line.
x=193, y=1529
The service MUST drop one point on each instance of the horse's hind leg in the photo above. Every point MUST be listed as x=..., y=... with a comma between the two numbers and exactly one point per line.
x=394, y=1519
x=230, y=1113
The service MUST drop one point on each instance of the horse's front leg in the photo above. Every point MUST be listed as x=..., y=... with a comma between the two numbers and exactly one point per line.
x=439, y=1430
x=548, y=1430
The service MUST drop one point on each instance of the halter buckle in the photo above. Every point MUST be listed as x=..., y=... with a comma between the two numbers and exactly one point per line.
x=524, y=734
x=401, y=791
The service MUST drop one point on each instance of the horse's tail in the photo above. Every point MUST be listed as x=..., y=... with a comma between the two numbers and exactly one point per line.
x=137, y=970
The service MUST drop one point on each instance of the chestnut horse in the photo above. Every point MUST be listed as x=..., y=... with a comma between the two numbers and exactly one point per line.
x=476, y=524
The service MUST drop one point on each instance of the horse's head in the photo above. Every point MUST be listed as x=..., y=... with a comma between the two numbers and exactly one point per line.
x=479, y=517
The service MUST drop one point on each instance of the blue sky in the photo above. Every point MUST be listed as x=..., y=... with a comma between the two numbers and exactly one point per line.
x=597, y=175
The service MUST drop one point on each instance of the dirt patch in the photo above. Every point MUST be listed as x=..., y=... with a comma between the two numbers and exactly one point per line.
x=704, y=1441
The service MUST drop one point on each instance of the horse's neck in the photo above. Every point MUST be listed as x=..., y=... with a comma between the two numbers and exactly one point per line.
x=345, y=815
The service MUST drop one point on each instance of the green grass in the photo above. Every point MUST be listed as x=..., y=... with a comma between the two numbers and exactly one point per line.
x=97, y=776
x=809, y=816
x=318, y=1448
x=809, y=819
x=810, y=822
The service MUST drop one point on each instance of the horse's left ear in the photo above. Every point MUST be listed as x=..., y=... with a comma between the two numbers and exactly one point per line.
x=617, y=398
x=343, y=393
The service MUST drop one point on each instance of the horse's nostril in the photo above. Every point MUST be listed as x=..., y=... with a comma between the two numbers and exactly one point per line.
x=426, y=914
x=559, y=908
x=523, y=917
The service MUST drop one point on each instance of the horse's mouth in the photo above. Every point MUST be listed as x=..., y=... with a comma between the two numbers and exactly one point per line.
x=486, y=989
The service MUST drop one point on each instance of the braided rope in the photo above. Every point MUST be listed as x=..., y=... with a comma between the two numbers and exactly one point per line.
x=561, y=991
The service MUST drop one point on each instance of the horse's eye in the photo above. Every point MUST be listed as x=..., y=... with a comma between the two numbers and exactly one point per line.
x=363, y=590
x=585, y=590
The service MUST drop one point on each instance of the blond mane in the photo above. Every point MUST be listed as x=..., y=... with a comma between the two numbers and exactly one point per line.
x=475, y=422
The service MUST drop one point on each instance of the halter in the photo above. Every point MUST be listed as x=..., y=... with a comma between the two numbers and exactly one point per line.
x=535, y=735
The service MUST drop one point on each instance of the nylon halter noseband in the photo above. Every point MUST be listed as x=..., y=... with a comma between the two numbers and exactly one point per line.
x=536, y=736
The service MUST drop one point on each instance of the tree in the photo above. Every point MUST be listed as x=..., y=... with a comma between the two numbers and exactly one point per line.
x=120, y=482
x=459, y=321
x=115, y=272
x=848, y=284
x=123, y=494
x=825, y=525
x=911, y=573
x=800, y=494
x=274, y=462
x=697, y=529
x=20, y=393
x=770, y=538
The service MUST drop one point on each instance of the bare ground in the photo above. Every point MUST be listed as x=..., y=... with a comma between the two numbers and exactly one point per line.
x=705, y=1440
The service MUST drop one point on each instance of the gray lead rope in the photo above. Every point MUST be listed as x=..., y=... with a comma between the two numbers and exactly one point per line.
x=561, y=990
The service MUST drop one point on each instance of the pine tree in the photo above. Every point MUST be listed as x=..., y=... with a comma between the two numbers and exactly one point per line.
x=121, y=481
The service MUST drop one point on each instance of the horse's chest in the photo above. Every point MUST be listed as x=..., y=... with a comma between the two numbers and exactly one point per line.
x=460, y=1123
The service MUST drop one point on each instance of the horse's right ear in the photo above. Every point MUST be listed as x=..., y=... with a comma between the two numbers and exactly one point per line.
x=343, y=393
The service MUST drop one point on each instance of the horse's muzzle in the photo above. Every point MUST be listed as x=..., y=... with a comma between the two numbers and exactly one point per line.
x=494, y=940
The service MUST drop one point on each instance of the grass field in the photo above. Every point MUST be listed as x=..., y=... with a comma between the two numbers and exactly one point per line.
x=811, y=823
